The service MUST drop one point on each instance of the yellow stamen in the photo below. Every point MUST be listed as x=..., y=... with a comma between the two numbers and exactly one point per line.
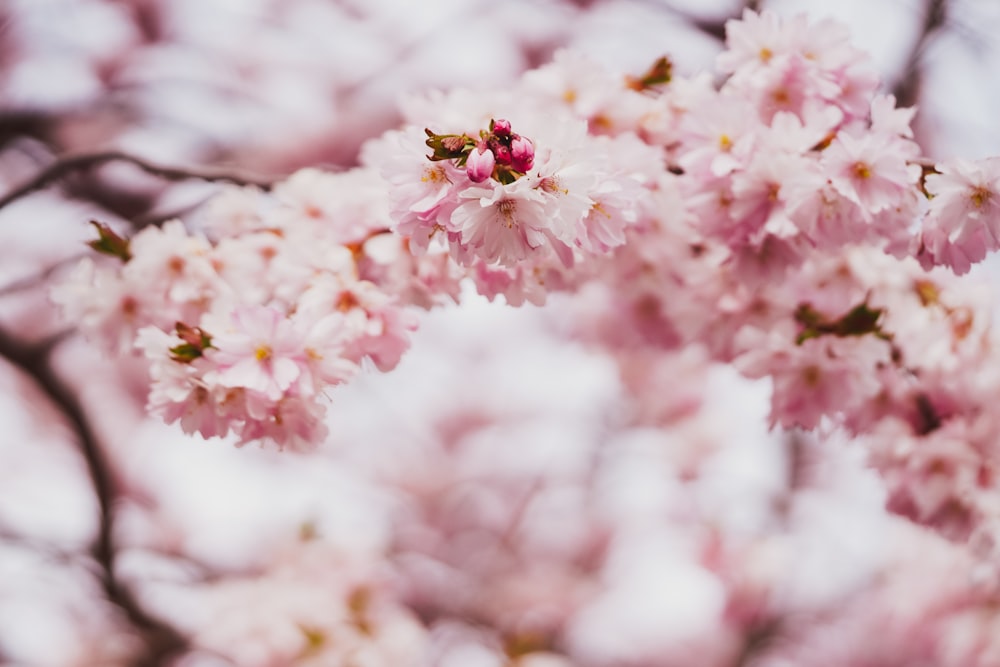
x=597, y=206
x=347, y=301
x=811, y=375
x=506, y=208
x=980, y=196
x=434, y=175
x=552, y=185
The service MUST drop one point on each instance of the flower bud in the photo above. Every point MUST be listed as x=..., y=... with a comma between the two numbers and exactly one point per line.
x=502, y=154
x=522, y=153
x=501, y=127
x=479, y=165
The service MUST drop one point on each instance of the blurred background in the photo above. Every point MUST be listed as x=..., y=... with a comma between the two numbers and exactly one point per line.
x=124, y=542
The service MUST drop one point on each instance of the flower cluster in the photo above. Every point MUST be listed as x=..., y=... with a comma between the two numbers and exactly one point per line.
x=246, y=333
x=780, y=236
x=498, y=154
x=519, y=211
x=743, y=218
x=770, y=242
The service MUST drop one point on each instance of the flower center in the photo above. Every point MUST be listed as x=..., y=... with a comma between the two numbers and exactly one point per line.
x=506, y=208
x=552, y=185
x=980, y=196
x=434, y=175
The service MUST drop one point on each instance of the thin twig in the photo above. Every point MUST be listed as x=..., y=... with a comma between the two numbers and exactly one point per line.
x=153, y=219
x=28, y=282
x=161, y=640
x=69, y=164
x=10, y=538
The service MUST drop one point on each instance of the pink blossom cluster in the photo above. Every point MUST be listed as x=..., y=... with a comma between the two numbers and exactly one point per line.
x=516, y=190
x=778, y=240
x=247, y=326
x=771, y=221
x=772, y=241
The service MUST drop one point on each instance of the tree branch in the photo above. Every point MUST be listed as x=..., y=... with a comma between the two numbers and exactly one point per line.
x=161, y=640
x=907, y=87
x=68, y=164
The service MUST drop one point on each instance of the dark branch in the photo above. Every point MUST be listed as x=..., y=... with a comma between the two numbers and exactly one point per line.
x=907, y=86
x=161, y=640
x=758, y=640
x=70, y=164
x=15, y=125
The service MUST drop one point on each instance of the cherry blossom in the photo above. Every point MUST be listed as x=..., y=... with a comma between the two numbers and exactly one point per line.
x=753, y=315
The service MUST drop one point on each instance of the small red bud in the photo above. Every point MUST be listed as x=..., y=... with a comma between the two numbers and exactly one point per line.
x=500, y=127
x=502, y=154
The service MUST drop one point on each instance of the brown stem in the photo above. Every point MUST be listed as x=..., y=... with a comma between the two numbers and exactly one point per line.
x=69, y=164
x=161, y=640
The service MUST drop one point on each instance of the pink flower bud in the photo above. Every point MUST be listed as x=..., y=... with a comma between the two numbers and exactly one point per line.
x=479, y=164
x=502, y=154
x=522, y=153
x=501, y=127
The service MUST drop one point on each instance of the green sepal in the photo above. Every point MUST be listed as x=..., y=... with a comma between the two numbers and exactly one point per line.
x=448, y=146
x=195, y=343
x=659, y=74
x=858, y=321
x=506, y=176
x=109, y=243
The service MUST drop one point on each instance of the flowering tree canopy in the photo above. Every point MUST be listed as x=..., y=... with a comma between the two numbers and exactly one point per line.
x=764, y=434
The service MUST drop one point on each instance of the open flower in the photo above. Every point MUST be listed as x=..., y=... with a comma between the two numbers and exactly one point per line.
x=260, y=351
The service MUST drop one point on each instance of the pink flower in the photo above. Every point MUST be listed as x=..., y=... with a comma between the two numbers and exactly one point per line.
x=105, y=307
x=421, y=192
x=260, y=352
x=503, y=223
x=887, y=118
x=354, y=320
x=820, y=377
x=759, y=197
x=718, y=138
x=824, y=215
x=292, y=422
x=963, y=220
x=870, y=170
x=757, y=39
